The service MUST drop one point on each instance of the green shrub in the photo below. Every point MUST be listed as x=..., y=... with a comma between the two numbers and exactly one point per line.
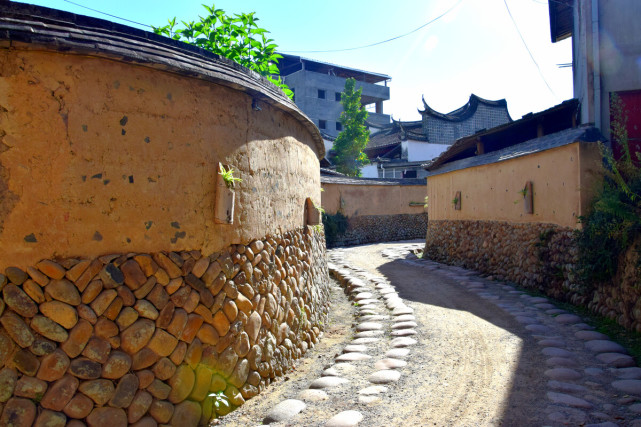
x=335, y=226
x=614, y=220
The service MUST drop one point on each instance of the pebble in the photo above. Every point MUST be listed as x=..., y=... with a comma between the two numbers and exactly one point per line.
x=368, y=326
x=562, y=374
x=616, y=360
x=352, y=357
x=355, y=348
x=404, y=325
x=284, y=411
x=402, y=342
x=327, y=382
x=567, y=387
x=402, y=310
x=590, y=335
x=384, y=376
x=604, y=346
x=567, y=318
x=628, y=386
x=398, y=353
x=345, y=419
x=389, y=363
x=569, y=400
x=633, y=373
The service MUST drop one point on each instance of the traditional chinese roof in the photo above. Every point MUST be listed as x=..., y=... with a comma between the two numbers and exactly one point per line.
x=531, y=127
x=464, y=112
x=396, y=132
x=536, y=145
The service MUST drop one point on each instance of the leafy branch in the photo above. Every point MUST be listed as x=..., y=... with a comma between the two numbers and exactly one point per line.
x=237, y=37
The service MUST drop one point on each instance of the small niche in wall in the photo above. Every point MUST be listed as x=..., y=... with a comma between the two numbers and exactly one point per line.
x=225, y=195
x=312, y=215
x=528, y=198
x=456, y=201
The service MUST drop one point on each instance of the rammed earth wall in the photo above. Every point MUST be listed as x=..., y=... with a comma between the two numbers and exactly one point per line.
x=537, y=256
x=124, y=296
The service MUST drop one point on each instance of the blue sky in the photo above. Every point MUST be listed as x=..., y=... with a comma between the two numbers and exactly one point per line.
x=475, y=48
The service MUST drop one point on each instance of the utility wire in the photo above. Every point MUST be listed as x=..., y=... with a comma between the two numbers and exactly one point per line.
x=108, y=14
x=381, y=42
x=527, y=48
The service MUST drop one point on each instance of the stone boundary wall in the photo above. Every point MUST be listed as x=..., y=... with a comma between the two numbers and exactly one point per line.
x=537, y=256
x=124, y=338
x=382, y=228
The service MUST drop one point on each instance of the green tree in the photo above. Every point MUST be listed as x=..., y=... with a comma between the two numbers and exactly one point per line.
x=235, y=37
x=351, y=142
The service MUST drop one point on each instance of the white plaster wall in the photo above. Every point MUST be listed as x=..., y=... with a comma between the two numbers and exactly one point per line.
x=417, y=151
x=369, y=171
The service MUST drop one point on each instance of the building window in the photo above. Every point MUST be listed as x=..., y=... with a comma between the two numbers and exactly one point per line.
x=338, y=96
x=321, y=93
x=322, y=124
x=339, y=126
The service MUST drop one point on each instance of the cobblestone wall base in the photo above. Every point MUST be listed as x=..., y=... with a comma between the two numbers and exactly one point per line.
x=537, y=256
x=121, y=337
x=382, y=228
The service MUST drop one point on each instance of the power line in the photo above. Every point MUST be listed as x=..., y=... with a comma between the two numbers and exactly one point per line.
x=527, y=48
x=381, y=42
x=108, y=14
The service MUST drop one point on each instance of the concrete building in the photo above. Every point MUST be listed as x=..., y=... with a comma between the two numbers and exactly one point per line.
x=398, y=150
x=605, y=51
x=318, y=86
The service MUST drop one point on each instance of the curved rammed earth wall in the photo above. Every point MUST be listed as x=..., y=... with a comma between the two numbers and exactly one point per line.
x=123, y=301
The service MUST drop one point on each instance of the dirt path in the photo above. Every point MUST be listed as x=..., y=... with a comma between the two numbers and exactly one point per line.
x=473, y=352
x=467, y=368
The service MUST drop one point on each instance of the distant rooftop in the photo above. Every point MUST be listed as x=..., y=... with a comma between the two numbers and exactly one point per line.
x=464, y=112
x=528, y=127
x=332, y=179
x=289, y=64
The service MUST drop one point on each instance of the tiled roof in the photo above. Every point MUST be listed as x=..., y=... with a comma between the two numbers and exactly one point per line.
x=547, y=142
x=327, y=179
x=465, y=111
x=552, y=120
x=395, y=133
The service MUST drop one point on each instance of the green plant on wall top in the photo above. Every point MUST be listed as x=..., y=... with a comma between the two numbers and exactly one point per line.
x=236, y=37
x=228, y=176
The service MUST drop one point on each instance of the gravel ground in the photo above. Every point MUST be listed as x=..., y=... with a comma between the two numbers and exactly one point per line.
x=479, y=353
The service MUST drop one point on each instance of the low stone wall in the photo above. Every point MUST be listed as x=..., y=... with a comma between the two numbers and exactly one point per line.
x=381, y=228
x=121, y=337
x=537, y=256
